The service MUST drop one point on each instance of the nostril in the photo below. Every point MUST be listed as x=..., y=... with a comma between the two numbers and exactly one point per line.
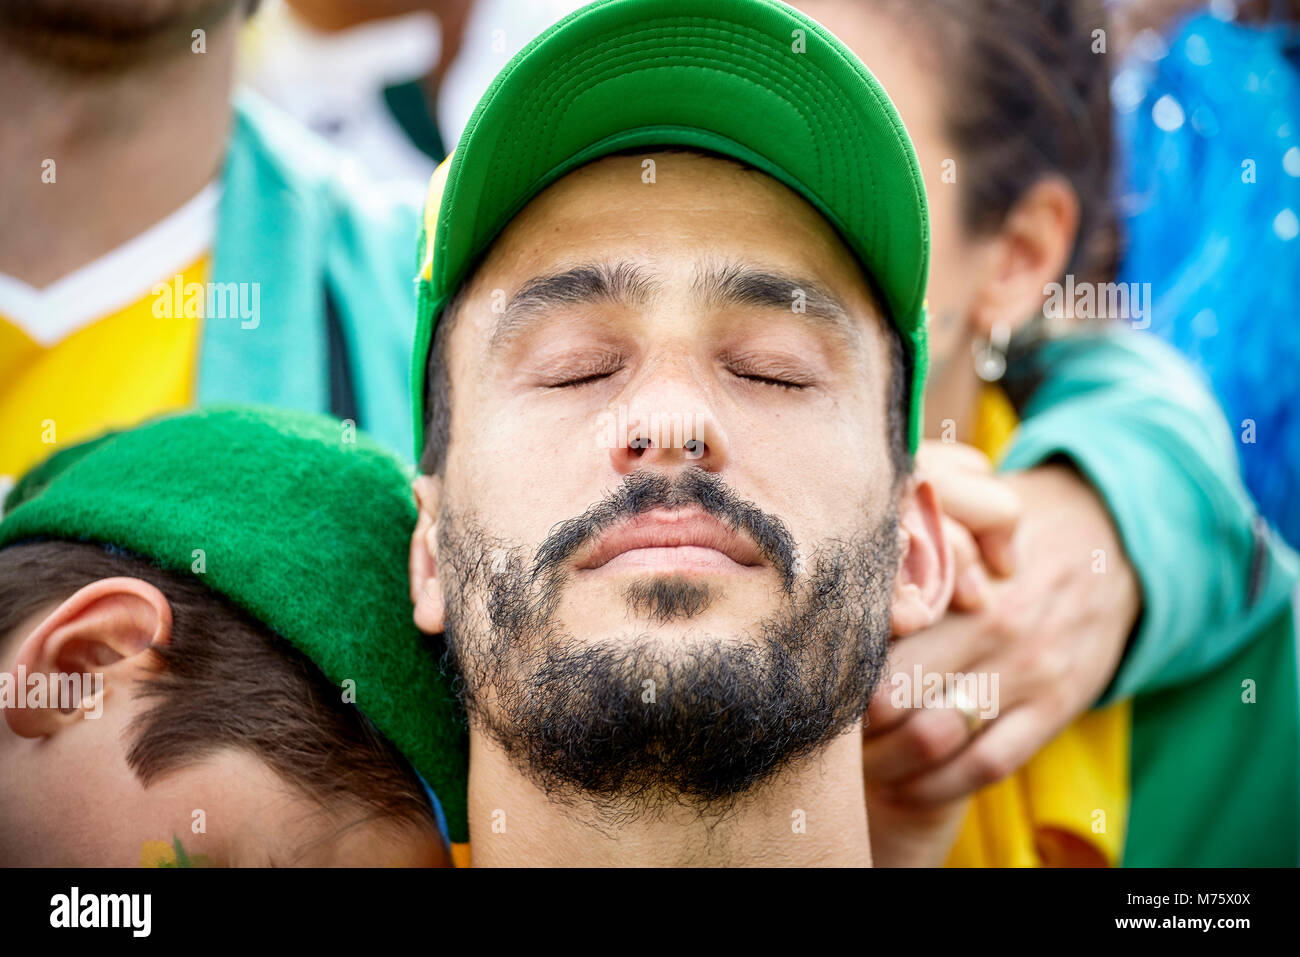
x=639, y=444
x=694, y=448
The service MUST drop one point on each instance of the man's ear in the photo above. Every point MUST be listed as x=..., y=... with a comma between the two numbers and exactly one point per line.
x=107, y=628
x=1031, y=249
x=426, y=590
x=926, y=574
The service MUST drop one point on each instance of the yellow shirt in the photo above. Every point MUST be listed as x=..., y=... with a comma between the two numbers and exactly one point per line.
x=108, y=346
x=111, y=374
x=1068, y=806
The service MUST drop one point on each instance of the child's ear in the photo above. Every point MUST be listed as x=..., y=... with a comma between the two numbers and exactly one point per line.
x=924, y=584
x=426, y=589
x=108, y=629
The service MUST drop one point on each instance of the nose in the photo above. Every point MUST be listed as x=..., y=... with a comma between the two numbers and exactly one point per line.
x=667, y=422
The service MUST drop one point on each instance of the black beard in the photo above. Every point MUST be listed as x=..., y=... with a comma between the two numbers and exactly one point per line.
x=637, y=725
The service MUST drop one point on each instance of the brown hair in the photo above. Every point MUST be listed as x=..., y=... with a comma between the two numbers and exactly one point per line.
x=227, y=682
x=1025, y=98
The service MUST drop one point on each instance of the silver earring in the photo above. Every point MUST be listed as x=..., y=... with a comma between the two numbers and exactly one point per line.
x=991, y=358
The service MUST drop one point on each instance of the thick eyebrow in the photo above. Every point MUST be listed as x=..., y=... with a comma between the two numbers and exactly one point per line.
x=734, y=284
x=619, y=283
x=714, y=285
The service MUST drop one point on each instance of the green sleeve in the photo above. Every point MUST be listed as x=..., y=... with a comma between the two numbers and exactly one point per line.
x=1135, y=420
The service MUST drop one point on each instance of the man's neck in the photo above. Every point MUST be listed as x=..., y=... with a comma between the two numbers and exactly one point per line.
x=127, y=147
x=813, y=814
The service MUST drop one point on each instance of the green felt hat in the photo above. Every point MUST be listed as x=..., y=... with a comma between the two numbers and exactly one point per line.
x=293, y=517
x=750, y=79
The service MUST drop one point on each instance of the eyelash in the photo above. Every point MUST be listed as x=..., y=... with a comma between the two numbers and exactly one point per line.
x=605, y=370
x=743, y=370
x=570, y=383
x=765, y=380
x=599, y=370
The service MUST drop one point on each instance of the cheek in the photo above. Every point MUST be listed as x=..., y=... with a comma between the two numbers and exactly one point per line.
x=525, y=463
x=814, y=468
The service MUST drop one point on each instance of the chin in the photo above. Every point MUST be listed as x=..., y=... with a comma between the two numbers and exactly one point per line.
x=669, y=601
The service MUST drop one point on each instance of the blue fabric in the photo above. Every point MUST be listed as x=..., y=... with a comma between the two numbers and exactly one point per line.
x=292, y=219
x=437, y=810
x=1210, y=194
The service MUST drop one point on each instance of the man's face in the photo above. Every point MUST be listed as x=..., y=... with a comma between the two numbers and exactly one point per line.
x=728, y=581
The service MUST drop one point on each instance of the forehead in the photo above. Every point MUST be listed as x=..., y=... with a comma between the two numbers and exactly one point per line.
x=671, y=207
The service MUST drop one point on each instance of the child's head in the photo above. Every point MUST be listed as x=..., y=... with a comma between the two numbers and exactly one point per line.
x=221, y=598
x=187, y=720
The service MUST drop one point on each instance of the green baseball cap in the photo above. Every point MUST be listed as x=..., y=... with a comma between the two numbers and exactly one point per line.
x=750, y=79
x=296, y=519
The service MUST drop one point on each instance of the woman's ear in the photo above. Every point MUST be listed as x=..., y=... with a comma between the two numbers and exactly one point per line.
x=107, y=630
x=924, y=583
x=426, y=589
x=1031, y=249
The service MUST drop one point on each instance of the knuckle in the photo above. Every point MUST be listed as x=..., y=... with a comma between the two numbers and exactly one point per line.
x=992, y=635
x=990, y=767
x=931, y=740
x=963, y=542
x=1015, y=615
x=1043, y=665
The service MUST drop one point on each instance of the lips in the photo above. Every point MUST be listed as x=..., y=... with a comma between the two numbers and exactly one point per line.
x=677, y=539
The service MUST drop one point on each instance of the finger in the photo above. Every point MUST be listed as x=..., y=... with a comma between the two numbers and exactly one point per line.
x=924, y=742
x=981, y=503
x=955, y=644
x=953, y=455
x=882, y=715
x=971, y=580
x=997, y=549
x=1002, y=749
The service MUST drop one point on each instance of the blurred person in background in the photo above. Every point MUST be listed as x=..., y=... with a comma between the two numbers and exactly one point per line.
x=1145, y=601
x=392, y=82
x=166, y=245
x=1208, y=114
x=364, y=76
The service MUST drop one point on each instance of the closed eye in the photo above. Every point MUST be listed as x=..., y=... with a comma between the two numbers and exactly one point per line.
x=767, y=380
x=583, y=380
x=580, y=372
x=768, y=370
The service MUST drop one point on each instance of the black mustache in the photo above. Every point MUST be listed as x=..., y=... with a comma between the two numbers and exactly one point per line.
x=642, y=491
